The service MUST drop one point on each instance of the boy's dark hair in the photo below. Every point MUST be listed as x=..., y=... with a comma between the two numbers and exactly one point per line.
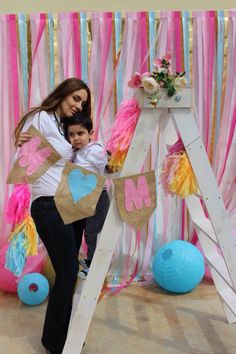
x=80, y=118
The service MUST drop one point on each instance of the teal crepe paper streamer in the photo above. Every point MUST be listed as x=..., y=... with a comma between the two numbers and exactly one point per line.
x=185, y=22
x=219, y=60
x=152, y=34
x=22, y=26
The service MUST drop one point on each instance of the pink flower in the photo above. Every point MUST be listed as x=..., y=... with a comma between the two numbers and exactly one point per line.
x=167, y=57
x=135, y=80
x=157, y=62
x=170, y=71
x=146, y=74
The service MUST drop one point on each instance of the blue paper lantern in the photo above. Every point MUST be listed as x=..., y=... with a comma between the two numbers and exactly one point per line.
x=178, y=266
x=33, y=289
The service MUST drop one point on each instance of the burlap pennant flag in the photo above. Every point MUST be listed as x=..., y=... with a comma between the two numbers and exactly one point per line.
x=33, y=160
x=78, y=193
x=136, y=198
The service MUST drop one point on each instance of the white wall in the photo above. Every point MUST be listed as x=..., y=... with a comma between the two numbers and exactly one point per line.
x=33, y=6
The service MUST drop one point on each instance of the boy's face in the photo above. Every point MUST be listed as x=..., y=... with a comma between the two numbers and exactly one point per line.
x=79, y=136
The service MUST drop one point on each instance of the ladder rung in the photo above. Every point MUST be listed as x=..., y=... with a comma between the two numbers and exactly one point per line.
x=205, y=226
x=229, y=297
x=217, y=262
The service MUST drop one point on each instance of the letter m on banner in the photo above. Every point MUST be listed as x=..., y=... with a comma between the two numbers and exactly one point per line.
x=136, y=198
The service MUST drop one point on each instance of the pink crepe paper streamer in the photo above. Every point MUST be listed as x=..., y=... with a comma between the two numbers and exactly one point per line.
x=77, y=46
x=125, y=282
x=66, y=21
x=102, y=39
x=208, y=57
x=227, y=124
x=18, y=204
x=143, y=41
x=177, y=40
x=41, y=29
x=198, y=68
x=229, y=142
x=133, y=54
x=13, y=47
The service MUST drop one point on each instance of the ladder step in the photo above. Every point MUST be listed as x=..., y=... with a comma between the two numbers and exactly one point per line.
x=205, y=226
x=229, y=297
x=217, y=262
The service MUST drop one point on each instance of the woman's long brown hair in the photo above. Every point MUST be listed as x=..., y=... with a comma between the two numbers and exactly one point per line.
x=52, y=101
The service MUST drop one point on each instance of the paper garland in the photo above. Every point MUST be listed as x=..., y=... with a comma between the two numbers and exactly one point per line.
x=33, y=160
x=78, y=193
x=136, y=198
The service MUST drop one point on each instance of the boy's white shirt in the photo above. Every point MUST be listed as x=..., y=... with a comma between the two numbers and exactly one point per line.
x=93, y=157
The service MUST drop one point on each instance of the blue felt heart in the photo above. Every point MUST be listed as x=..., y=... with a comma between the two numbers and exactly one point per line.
x=81, y=185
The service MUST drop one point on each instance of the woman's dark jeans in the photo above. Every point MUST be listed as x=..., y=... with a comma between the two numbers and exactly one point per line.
x=62, y=243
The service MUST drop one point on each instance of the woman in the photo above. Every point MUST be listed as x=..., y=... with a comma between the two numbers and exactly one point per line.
x=61, y=241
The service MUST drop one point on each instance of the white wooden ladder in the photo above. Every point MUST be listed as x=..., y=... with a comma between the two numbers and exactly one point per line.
x=213, y=231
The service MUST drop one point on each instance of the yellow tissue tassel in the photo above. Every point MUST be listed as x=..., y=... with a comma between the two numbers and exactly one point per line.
x=184, y=182
x=28, y=228
x=117, y=161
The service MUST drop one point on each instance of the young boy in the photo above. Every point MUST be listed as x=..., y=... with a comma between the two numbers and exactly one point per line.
x=88, y=154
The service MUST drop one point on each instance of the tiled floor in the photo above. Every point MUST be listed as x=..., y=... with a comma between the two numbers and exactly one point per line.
x=139, y=320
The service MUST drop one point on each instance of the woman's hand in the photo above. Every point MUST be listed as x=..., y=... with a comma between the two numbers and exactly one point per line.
x=23, y=138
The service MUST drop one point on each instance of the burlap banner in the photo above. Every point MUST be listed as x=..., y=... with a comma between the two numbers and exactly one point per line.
x=136, y=198
x=78, y=193
x=33, y=160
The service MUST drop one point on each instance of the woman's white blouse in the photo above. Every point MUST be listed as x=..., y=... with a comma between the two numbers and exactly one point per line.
x=46, y=123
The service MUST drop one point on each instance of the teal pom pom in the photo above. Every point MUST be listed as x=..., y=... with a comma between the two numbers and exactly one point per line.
x=16, y=254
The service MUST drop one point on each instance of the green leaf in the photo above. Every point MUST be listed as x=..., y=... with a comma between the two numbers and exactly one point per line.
x=171, y=91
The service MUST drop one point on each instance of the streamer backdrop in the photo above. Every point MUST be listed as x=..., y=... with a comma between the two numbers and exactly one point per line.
x=105, y=49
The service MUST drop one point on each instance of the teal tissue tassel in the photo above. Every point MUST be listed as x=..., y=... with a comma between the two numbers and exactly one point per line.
x=138, y=277
x=16, y=254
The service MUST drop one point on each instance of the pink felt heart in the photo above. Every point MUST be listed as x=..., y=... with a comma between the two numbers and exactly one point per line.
x=32, y=158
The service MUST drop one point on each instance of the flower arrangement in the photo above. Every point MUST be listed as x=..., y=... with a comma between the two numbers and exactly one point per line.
x=162, y=77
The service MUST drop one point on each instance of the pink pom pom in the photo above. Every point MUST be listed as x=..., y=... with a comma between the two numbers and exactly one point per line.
x=125, y=123
x=18, y=204
x=122, y=133
x=176, y=147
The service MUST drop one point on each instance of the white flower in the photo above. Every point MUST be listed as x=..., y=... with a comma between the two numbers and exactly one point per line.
x=149, y=84
x=163, y=70
x=180, y=82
